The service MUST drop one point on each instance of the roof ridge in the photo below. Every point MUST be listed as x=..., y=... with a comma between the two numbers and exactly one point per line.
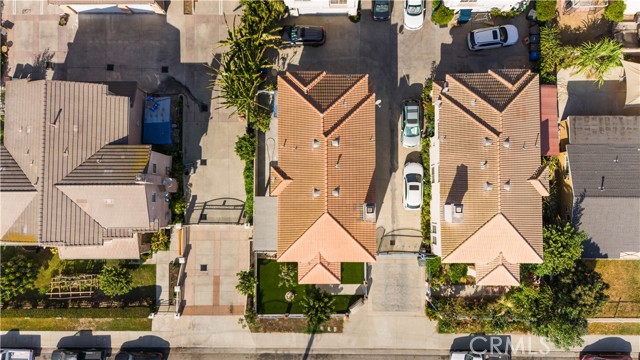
x=297, y=82
x=519, y=89
x=295, y=89
x=504, y=81
x=327, y=134
x=474, y=94
x=315, y=81
x=473, y=117
x=351, y=89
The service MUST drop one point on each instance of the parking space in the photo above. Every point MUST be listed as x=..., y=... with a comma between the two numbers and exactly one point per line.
x=215, y=253
x=397, y=285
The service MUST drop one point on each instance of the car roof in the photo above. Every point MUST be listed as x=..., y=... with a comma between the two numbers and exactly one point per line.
x=487, y=35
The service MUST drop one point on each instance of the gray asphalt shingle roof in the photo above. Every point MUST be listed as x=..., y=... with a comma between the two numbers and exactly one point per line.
x=54, y=130
x=605, y=170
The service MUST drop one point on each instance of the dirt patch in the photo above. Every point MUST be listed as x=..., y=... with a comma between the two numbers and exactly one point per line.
x=583, y=25
x=296, y=326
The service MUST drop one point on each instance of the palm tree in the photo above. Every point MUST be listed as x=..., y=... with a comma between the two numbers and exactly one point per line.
x=596, y=59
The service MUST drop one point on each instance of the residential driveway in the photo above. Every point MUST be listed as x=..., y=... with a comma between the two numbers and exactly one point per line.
x=397, y=285
x=214, y=253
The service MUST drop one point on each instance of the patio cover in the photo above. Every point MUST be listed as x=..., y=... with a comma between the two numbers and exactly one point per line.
x=632, y=74
x=550, y=145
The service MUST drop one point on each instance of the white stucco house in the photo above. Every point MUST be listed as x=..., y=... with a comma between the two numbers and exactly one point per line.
x=322, y=7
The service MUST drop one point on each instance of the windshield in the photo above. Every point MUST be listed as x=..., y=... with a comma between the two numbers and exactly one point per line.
x=503, y=34
x=414, y=9
x=413, y=178
x=411, y=130
x=382, y=8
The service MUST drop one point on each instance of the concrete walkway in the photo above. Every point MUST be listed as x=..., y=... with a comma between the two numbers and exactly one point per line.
x=162, y=259
x=343, y=289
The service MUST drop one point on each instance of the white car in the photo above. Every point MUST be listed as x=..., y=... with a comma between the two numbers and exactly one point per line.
x=411, y=117
x=16, y=354
x=412, y=177
x=413, y=14
x=493, y=37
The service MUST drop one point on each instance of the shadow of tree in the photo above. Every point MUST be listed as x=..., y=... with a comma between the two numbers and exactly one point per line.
x=591, y=29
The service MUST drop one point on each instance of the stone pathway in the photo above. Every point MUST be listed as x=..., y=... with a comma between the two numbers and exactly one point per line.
x=343, y=289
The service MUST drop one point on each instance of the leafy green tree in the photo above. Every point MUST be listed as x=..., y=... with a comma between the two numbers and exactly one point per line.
x=246, y=147
x=442, y=15
x=317, y=306
x=545, y=10
x=615, y=10
x=115, y=281
x=562, y=247
x=596, y=59
x=262, y=13
x=160, y=241
x=288, y=275
x=554, y=55
x=17, y=276
x=246, y=283
x=457, y=272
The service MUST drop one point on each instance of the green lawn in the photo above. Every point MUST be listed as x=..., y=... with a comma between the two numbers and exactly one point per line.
x=70, y=324
x=270, y=297
x=352, y=273
x=623, y=277
x=614, y=329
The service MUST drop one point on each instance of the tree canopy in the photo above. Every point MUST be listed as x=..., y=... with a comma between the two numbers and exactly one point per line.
x=562, y=247
x=288, y=275
x=18, y=275
x=115, y=281
x=246, y=283
x=317, y=306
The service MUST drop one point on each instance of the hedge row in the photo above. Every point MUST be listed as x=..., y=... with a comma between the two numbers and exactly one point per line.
x=129, y=313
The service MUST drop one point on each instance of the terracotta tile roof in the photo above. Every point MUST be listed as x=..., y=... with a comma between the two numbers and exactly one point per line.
x=319, y=271
x=498, y=272
x=494, y=119
x=279, y=180
x=540, y=180
x=326, y=148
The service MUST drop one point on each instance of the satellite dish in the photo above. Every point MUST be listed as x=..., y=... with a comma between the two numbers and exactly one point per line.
x=378, y=103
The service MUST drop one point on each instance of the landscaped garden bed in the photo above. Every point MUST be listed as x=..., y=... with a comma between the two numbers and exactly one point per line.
x=271, y=297
x=32, y=308
x=296, y=326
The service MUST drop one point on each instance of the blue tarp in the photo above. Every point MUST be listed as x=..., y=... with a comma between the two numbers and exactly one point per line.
x=157, y=121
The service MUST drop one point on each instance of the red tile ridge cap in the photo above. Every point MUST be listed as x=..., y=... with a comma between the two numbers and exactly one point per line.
x=445, y=96
x=315, y=81
x=286, y=80
x=337, y=101
x=353, y=111
x=504, y=81
x=323, y=267
x=472, y=93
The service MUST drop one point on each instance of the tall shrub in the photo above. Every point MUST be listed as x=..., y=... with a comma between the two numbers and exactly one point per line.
x=115, y=281
x=17, y=276
x=615, y=10
x=596, y=59
x=441, y=15
x=545, y=10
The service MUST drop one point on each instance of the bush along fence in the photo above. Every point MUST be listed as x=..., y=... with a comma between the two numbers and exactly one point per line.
x=429, y=118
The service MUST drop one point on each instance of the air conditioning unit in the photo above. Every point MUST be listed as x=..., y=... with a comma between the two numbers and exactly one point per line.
x=369, y=212
x=140, y=177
